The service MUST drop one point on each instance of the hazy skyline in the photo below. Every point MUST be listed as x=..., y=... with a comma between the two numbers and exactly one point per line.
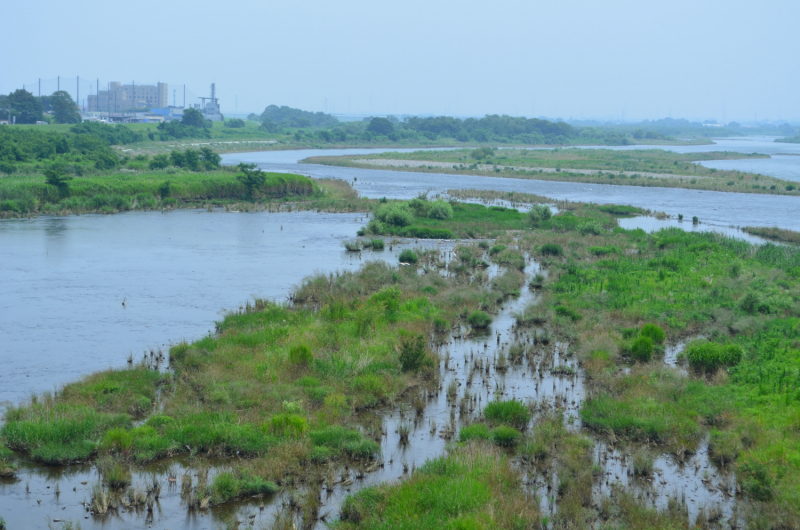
x=731, y=60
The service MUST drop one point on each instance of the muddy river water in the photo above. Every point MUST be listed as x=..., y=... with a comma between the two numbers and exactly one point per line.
x=63, y=281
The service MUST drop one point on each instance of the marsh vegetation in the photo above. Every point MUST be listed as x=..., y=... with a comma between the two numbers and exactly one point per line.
x=562, y=416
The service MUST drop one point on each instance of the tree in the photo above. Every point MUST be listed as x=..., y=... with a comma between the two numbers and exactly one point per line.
x=380, y=126
x=54, y=176
x=209, y=158
x=194, y=118
x=251, y=178
x=25, y=106
x=64, y=108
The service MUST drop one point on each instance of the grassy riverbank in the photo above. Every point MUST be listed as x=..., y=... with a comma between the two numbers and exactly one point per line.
x=777, y=234
x=649, y=168
x=127, y=190
x=285, y=387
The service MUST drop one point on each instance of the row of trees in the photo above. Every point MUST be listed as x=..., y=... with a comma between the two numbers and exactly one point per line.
x=25, y=108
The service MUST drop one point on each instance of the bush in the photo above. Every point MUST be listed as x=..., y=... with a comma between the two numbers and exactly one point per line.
x=408, y=256
x=412, y=353
x=642, y=349
x=479, y=319
x=749, y=303
x=654, y=333
x=300, y=354
x=440, y=210
x=539, y=212
x=377, y=244
x=497, y=249
x=709, y=356
x=591, y=228
x=510, y=412
x=395, y=214
x=551, y=249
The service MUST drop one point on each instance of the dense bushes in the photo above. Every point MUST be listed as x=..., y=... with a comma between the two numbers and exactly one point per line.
x=539, y=212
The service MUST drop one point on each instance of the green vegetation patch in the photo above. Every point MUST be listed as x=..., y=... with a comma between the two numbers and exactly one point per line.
x=472, y=487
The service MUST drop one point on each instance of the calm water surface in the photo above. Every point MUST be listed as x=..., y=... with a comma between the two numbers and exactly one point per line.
x=63, y=281
x=726, y=209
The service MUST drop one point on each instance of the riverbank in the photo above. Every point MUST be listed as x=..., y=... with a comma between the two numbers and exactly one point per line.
x=646, y=168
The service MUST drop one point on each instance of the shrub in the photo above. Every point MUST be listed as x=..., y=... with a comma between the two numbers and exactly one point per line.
x=709, y=356
x=654, y=333
x=412, y=353
x=395, y=214
x=510, y=412
x=603, y=251
x=377, y=244
x=300, y=354
x=440, y=210
x=591, y=228
x=505, y=436
x=539, y=212
x=352, y=246
x=408, y=256
x=564, y=311
x=551, y=249
x=749, y=303
x=165, y=189
x=440, y=324
x=479, y=319
x=642, y=349
x=497, y=249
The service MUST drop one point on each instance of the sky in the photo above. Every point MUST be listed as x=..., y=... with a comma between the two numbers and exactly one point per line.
x=580, y=59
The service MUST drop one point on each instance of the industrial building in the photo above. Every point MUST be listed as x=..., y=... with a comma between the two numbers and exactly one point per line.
x=121, y=98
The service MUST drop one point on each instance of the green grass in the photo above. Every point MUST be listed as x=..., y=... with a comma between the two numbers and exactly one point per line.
x=467, y=221
x=473, y=487
x=230, y=485
x=777, y=234
x=511, y=412
x=142, y=190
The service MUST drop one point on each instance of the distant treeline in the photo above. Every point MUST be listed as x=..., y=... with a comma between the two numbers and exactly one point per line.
x=86, y=145
x=491, y=128
x=289, y=117
x=671, y=127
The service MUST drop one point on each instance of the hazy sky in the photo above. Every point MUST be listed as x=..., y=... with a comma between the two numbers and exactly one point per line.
x=557, y=58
